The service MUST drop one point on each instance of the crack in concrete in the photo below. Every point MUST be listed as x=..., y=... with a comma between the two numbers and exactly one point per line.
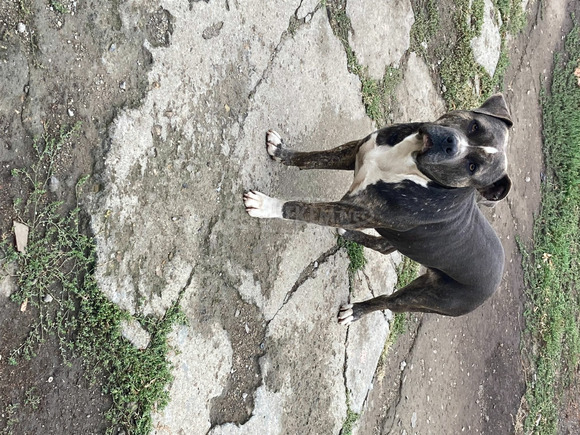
x=368, y=279
x=391, y=413
x=294, y=24
x=344, y=375
x=306, y=274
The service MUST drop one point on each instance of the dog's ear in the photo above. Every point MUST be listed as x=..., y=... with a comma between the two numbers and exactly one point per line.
x=497, y=107
x=498, y=190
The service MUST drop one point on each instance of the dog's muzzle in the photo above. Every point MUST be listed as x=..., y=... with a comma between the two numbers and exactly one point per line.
x=440, y=139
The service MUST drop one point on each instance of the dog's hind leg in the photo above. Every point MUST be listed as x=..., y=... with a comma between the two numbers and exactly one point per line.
x=432, y=292
x=342, y=157
x=379, y=244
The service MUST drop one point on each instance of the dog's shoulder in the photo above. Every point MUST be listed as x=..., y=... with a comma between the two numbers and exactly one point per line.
x=393, y=134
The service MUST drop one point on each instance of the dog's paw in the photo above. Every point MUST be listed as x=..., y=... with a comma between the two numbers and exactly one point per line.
x=262, y=206
x=346, y=314
x=274, y=145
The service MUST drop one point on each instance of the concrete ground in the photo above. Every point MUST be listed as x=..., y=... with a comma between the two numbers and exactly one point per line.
x=262, y=352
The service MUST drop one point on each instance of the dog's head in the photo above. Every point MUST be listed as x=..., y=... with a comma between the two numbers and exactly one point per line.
x=468, y=148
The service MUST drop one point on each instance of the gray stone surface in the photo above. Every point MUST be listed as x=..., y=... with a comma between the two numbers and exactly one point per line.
x=366, y=338
x=7, y=284
x=201, y=370
x=132, y=331
x=486, y=47
x=262, y=351
x=417, y=98
x=381, y=32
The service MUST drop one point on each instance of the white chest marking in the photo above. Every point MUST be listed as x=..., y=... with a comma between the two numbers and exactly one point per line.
x=391, y=164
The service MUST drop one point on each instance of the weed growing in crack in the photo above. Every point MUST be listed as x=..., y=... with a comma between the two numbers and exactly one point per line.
x=466, y=83
x=59, y=7
x=355, y=254
x=55, y=278
x=407, y=271
x=351, y=418
x=377, y=95
x=425, y=25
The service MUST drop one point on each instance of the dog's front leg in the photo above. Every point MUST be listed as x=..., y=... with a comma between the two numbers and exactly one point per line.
x=333, y=214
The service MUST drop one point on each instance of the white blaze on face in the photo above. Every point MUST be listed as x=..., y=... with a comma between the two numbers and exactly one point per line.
x=490, y=150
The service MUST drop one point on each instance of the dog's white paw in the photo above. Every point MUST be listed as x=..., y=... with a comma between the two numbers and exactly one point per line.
x=274, y=145
x=345, y=315
x=262, y=206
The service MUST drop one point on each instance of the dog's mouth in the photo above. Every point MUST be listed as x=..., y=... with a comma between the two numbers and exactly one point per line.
x=427, y=143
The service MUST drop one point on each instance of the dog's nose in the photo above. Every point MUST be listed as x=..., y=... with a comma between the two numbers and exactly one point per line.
x=450, y=145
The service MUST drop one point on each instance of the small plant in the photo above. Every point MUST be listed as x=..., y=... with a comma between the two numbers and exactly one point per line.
x=59, y=7
x=10, y=417
x=407, y=271
x=377, y=95
x=55, y=277
x=350, y=419
x=31, y=398
x=355, y=254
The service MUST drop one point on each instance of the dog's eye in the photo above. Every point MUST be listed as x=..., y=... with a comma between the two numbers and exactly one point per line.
x=474, y=127
x=472, y=167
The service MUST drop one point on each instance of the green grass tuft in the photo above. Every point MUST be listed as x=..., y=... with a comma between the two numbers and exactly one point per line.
x=59, y=263
x=466, y=84
x=350, y=420
x=355, y=254
x=551, y=266
x=377, y=95
x=425, y=25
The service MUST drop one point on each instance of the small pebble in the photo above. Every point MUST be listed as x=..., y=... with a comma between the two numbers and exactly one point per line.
x=53, y=184
x=528, y=179
x=123, y=86
x=50, y=379
x=47, y=299
x=21, y=27
x=70, y=112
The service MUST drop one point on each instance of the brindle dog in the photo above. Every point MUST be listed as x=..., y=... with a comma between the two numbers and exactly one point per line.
x=416, y=184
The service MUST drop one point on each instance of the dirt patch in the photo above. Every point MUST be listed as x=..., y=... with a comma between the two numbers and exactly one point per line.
x=61, y=63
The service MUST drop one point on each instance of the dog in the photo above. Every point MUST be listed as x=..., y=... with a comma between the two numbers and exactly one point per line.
x=417, y=185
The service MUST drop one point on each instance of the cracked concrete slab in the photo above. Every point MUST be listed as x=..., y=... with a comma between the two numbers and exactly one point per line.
x=192, y=391
x=262, y=345
x=487, y=46
x=304, y=362
x=381, y=32
x=262, y=348
x=418, y=99
x=367, y=337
